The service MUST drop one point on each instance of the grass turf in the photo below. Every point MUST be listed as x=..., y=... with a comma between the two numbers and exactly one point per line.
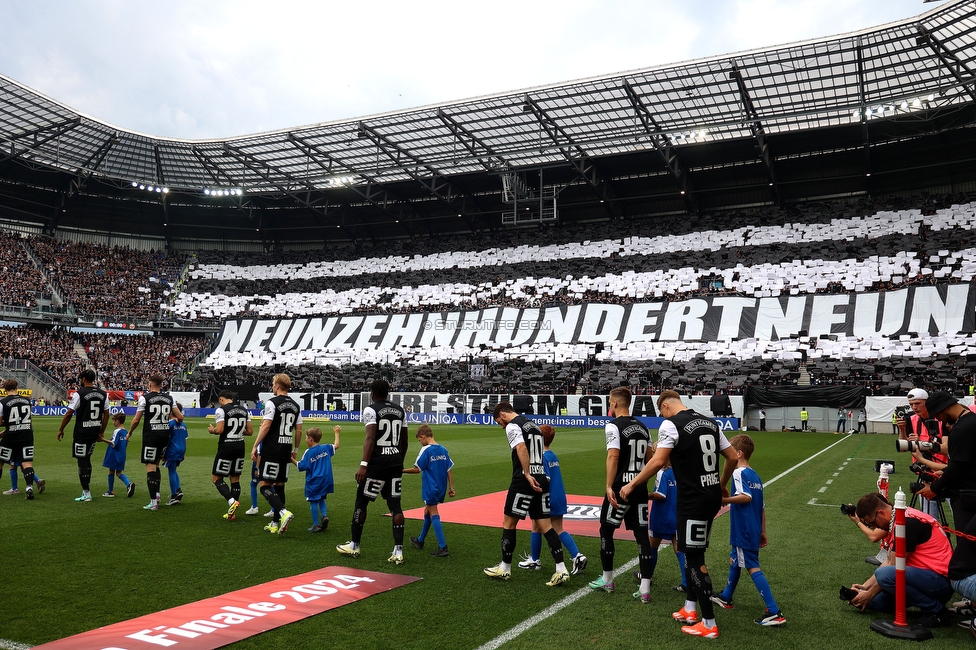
x=71, y=567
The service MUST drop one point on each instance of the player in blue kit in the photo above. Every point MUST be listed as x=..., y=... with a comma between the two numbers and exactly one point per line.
x=748, y=532
x=434, y=465
x=115, y=457
x=317, y=465
x=175, y=453
x=558, y=507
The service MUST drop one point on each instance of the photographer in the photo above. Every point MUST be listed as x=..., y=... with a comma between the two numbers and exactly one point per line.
x=958, y=480
x=919, y=427
x=928, y=553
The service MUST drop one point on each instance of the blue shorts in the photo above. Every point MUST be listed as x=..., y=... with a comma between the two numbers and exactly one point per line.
x=659, y=535
x=744, y=558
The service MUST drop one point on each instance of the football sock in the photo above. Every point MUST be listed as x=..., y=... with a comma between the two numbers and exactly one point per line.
x=13, y=478
x=111, y=482
x=125, y=480
x=709, y=622
x=607, y=547
x=508, y=545
x=323, y=510
x=435, y=522
x=235, y=490
x=555, y=548
x=645, y=585
x=644, y=553
x=767, y=594
x=84, y=472
x=700, y=583
x=174, y=479
x=653, y=562
x=314, y=507
x=152, y=484
x=691, y=606
x=280, y=490
x=681, y=565
x=359, y=518
x=535, y=545
x=424, y=529
x=254, y=494
x=569, y=543
x=268, y=492
x=734, y=573
x=397, y=522
x=223, y=489
x=28, y=475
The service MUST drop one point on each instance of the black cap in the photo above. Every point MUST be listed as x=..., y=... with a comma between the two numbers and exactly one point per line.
x=938, y=402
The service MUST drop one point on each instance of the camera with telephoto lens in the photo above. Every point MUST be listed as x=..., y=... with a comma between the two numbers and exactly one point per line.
x=925, y=475
x=918, y=445
x=848, y=509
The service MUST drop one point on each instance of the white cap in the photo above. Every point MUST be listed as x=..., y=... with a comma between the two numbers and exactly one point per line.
x=917, y=393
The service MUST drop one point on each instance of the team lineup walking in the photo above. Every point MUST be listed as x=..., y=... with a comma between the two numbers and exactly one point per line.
x=689, y=442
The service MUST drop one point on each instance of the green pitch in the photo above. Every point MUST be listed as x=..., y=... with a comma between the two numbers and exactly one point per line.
x=71, y=567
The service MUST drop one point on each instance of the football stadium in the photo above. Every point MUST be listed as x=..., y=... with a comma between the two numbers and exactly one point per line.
x=779, y=239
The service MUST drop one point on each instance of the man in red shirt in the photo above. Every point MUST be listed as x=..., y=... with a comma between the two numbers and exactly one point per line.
x=927, y=565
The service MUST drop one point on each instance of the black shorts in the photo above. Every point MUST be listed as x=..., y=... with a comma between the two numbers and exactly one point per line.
x=82, y=448
x=153, y=448
x=228, y=463
x=16, y=449
x=523, y=501
x=693, y=531
x=632, y=513
x=386, y=482
x=273, y=470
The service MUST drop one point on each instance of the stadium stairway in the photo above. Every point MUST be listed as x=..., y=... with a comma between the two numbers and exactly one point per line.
x=804, y=379
x=82, y=353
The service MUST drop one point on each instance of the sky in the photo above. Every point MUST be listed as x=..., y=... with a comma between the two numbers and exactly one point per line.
x=220, y=68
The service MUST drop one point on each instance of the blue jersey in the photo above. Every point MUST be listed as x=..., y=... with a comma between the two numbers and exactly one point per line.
x=746, y=518
x=434, y=463
x=557, y=490
x=663, y=518
x=176, y=450
x=115, y=455
x=316, y=462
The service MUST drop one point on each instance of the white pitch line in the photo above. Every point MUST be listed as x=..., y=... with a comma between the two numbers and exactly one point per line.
x=549, y=611
x=804, y=462
x=505, y=637
x=13, y=645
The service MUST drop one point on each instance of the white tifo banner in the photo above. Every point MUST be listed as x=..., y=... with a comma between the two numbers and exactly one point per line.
x=923, y=310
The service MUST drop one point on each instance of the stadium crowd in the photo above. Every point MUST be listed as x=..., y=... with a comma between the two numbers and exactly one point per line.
x=99, y=280
x=879, y=252
x=123, y=360
x=21, y=282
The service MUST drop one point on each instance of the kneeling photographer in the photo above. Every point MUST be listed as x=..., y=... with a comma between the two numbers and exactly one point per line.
x=918, y=427
x=928, y=553
x=958, y=480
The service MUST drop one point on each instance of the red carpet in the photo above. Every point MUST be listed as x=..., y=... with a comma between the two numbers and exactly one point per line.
x=583, y=517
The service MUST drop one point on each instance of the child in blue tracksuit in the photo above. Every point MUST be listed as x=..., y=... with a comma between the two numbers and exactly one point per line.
x=662, y=521
x=434, y=465
x=115, y=457
x=748, y=532
x=317, y=465
x=174, y=455
x=558, y=506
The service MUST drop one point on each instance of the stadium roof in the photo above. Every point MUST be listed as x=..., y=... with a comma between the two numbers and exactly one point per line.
x=880, y=110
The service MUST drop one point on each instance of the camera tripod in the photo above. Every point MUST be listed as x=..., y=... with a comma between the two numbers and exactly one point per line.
x=941, y=508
